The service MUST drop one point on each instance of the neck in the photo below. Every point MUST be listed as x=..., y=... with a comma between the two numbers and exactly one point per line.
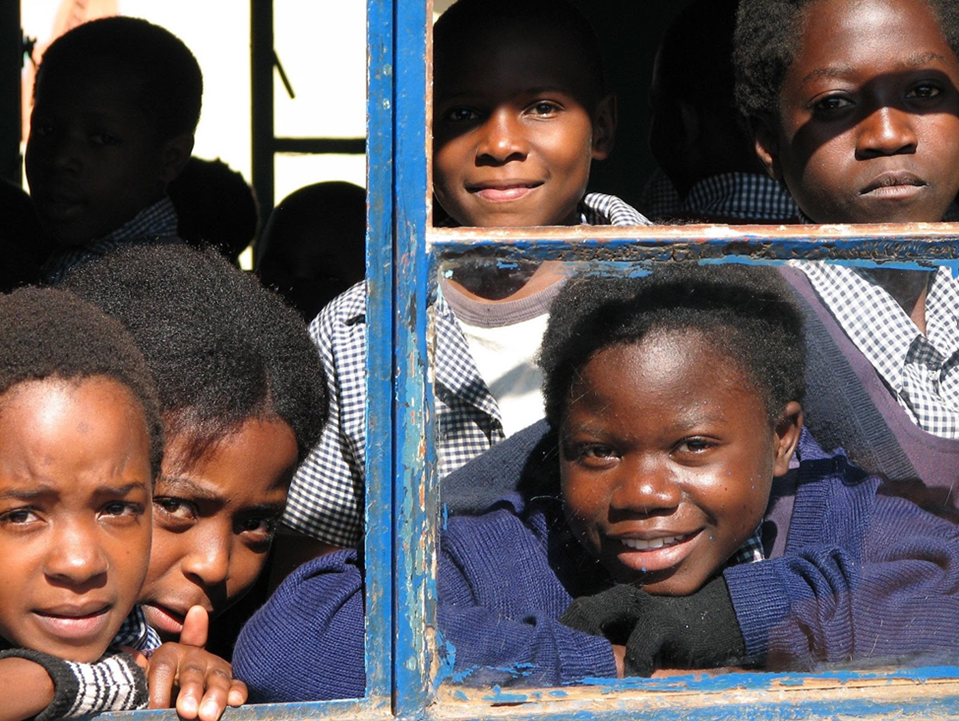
x=909, y=288
x=485, y=280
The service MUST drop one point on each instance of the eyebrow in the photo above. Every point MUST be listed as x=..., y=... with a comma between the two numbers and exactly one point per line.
x=836, y=71
x=186, y=485
x=29, y=494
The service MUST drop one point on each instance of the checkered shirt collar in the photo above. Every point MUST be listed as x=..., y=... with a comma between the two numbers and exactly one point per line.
x=137, y=633
x=913, y=365
x=750, y=552
x=157, y=221
x=750, y=196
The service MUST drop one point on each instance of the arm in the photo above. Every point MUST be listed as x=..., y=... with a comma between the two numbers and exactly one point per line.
x=52, y=688
x=498, y=608
x=26, y=687
x=325, y=500
x=893, y=593
x=308, y=642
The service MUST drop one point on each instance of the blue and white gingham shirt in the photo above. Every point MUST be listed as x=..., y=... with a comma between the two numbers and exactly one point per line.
x=326, y=498
x=921, y=370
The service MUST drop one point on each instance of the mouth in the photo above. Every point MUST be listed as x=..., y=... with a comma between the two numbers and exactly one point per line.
x=503, y=192
x=75, y=623
x=650, y=554
x=894, y=185
x=165, y=620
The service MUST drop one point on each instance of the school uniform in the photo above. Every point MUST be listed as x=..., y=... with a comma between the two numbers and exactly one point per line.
x=326, y=498
x=849, y=576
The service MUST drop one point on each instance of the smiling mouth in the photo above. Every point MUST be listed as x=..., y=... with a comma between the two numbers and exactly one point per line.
x=503, y=193
x=638, y=544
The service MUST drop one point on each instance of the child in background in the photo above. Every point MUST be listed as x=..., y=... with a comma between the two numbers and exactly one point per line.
x=116, y=103
x=243, y=399
x=855, y=108
x=517, y=122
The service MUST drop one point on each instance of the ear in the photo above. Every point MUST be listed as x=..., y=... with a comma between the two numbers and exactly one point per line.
x=788, y=429
x=174, y=155
x=604, y=127
x=767, y=144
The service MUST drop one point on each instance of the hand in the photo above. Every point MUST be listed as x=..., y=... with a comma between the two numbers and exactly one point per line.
x=205, y=681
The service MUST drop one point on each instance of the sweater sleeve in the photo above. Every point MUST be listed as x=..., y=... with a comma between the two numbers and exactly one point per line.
x=881, y=586
x=307, y=642
x=498, y=610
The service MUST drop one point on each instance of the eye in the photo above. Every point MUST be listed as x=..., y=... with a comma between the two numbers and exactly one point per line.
x=924, y=91
x=831, y=105
x=544, y=108
x=591, y=454
x=19, y=517
x=695, y=445
x=104, y=139
x=118, y=509
x=172, y=508
x=460, y=115
x=257, y=529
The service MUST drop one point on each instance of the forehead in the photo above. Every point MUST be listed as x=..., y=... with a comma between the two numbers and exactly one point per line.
x=504, y=62
x=90, y=87
x=869, y=37
x=686, y=362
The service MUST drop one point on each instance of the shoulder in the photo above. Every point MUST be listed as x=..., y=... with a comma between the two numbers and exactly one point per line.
x=511, y=523
x=603, y=209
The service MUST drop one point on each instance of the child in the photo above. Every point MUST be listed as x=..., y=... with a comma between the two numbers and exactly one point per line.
x=243, y=399
x=116, y=103
x=855, y=107
x=668, y=508
x=517, y=122
x=80, y=445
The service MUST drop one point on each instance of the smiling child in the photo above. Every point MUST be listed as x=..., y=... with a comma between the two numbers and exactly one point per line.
x=855, y=108
x=671, y=509
x=243, y=398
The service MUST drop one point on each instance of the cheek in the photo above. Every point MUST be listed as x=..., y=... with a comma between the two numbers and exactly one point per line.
x=165, y=555
x=245, y=568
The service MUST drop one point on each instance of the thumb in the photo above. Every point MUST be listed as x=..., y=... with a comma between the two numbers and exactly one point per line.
x=196, y=627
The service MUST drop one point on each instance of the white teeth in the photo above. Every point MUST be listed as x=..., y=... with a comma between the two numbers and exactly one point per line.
x=640, y=545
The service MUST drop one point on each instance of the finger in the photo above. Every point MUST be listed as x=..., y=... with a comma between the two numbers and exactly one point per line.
x=196, y=627
x=161, y=675
x=192, y=678
x=218, y=687
x=238, y=693
x=138, y=656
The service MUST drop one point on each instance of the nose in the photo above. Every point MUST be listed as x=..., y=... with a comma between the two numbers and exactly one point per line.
x=886, y=131
x=207, y=561
x=76, y=557
x=645, y=487
x=502, y=138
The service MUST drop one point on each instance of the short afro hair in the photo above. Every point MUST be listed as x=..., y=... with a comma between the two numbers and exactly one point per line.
x=769, y=36
x=172, y=84
x=744, y=312
x=51, y=333
x=468, y=19
x=222, y=348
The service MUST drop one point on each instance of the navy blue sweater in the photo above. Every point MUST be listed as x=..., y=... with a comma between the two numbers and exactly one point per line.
x=855, y=575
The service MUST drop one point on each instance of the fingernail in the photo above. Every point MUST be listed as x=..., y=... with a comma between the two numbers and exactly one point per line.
x=189, y=706
x=210, y=709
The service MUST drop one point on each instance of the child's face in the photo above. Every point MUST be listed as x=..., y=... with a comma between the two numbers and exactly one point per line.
x=667, y=459
x=74, y=526
x=869, y=126
x=213, y=521
x=512, y=137
x=93, y=160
